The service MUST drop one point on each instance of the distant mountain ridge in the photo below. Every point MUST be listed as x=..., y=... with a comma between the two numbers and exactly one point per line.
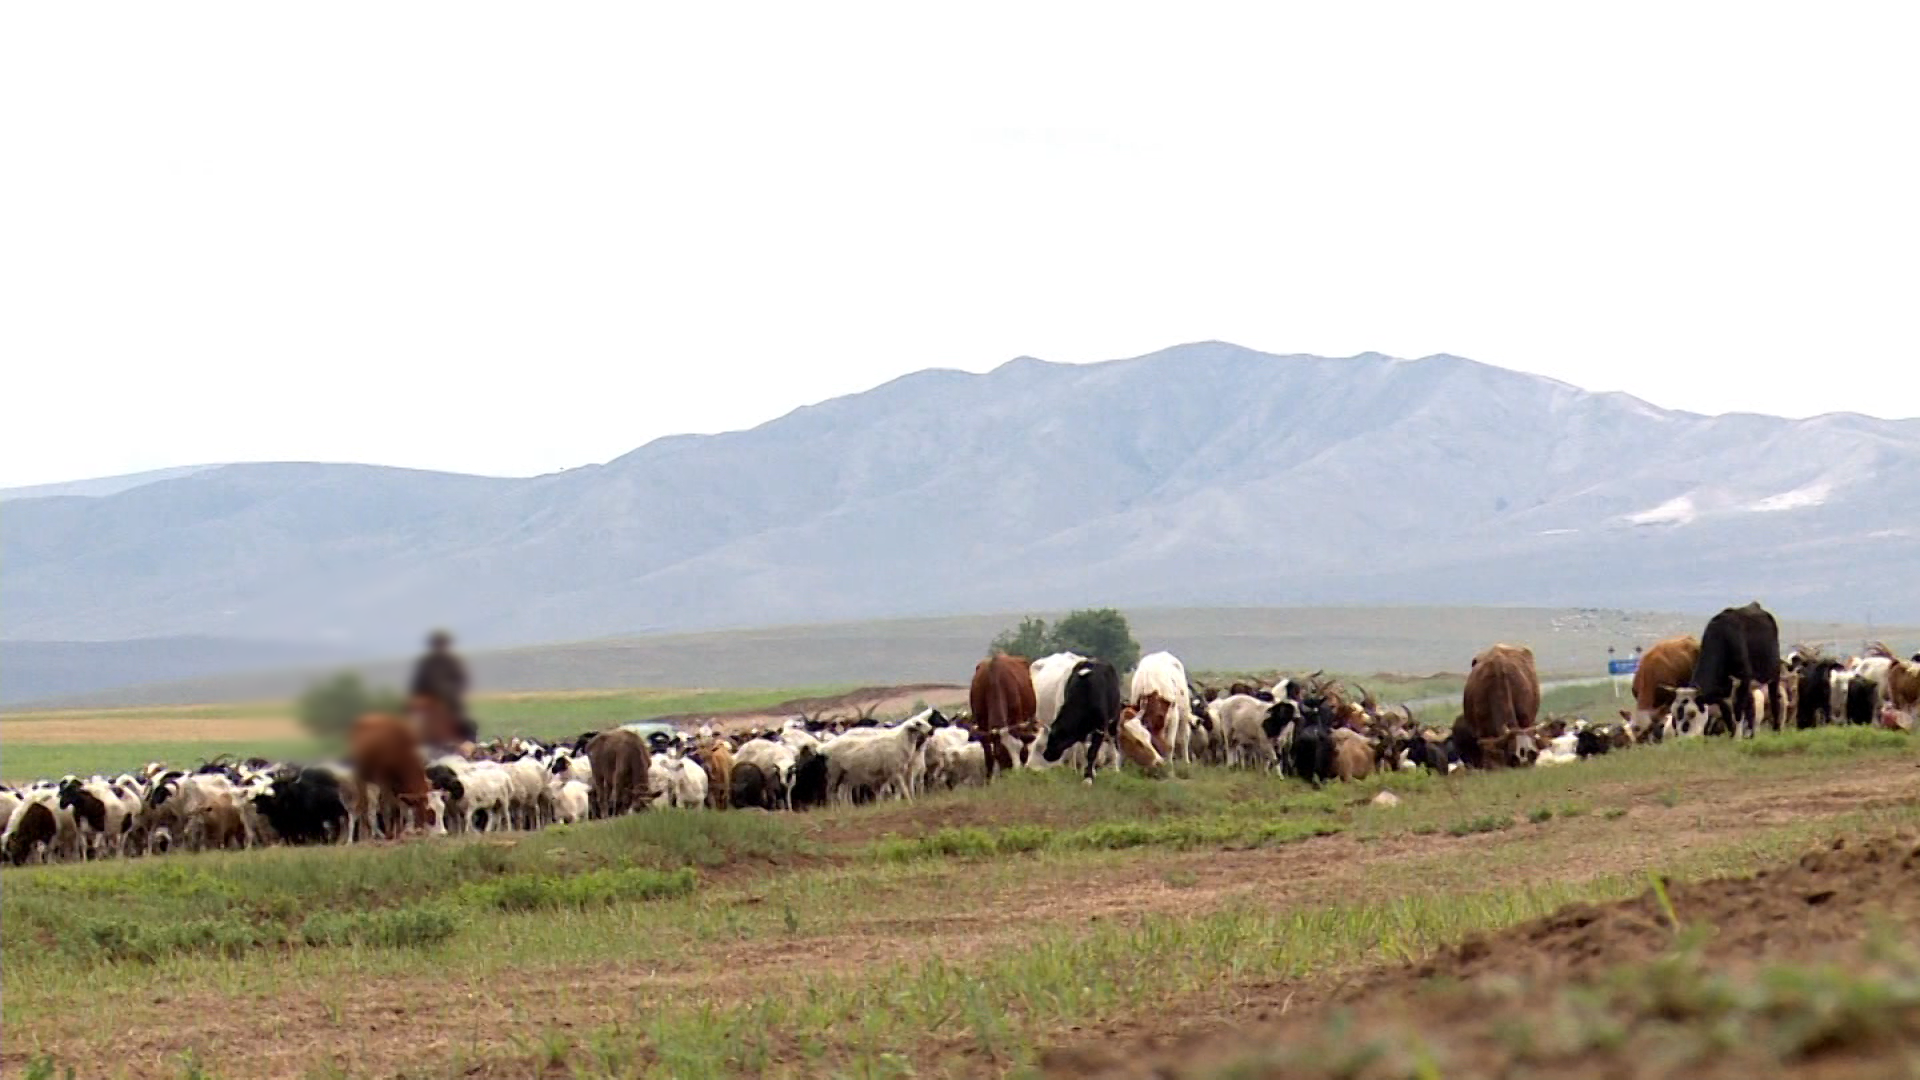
x=1199, y=475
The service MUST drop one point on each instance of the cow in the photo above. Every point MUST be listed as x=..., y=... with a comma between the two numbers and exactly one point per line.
x=1664, y=668
x=1049, y=675
x=384, y=751
x=1902, y=682
x=620, y=761
x=1501, y=697
x=1165, y=700
x=1089, y=711
x=1739, y=650
x=1003, y=704
x=1136, y=743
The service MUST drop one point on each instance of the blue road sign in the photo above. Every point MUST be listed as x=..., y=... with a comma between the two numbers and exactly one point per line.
x=1623, y=667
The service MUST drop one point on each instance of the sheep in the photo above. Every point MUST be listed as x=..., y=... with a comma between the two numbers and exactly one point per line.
x=874, y=759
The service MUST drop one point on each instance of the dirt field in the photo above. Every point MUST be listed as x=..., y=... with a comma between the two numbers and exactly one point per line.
x=1213, y=922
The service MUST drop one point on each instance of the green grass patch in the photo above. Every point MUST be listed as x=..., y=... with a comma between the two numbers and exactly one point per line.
x=595, y=888
x=1112, y=836
x=1485, y=824
x=23, y=762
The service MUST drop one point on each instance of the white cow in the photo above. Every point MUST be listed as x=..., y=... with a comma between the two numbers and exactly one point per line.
x=1164, y=675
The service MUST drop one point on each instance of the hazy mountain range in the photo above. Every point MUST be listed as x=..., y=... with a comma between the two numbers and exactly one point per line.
x=1200, y=475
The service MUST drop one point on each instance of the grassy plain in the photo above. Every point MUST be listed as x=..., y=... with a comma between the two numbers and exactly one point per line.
x=964, y=934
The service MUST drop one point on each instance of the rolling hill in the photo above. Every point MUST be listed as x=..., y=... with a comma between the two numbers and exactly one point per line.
x=1204, y=474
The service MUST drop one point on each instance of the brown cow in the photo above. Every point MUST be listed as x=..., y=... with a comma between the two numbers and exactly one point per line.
x=1004, y=705
x=385, y=752
x=1664, y=668
x=620, y=764
x=1154, y=711
x=1501, y=698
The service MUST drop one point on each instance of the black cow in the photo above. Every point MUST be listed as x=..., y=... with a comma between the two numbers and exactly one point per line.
x=1740, y=649
x=1089, y=712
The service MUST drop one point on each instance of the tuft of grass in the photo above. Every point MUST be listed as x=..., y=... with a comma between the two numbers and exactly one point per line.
x=1111, y=836
x=1540, y=815
x=1484, y=824
x=413, y=927
x=595, y=888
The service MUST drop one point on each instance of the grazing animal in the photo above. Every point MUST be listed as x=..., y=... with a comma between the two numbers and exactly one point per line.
x=1739, y=649
x=1252, y=727
x=774, y=758
x=1311, y=753
x=1161, y=693
x=1664, y=668
x=1089, y=711
x=956, y=756
x=31, y=831
x=1136, y=742
x=1352, y=755
x=620, y=762
x=1863, y=700
x=678, y=782
x=720, y=774
x=1502, y=696
x=1050, y=675
x=755, y=789
x=572, y=801
x=385, y=752
x=875, y=759
x=1003, y=704
x=305, y=810
x=1814, y=702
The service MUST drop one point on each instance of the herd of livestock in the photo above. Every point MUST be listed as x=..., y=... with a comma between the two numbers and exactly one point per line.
x=1063, y=710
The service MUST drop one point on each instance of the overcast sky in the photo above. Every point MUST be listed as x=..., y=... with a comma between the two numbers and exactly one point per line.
x=510, y=238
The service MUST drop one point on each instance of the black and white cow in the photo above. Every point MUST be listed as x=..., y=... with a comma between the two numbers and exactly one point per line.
x=1089, y=712
x=1739, y=651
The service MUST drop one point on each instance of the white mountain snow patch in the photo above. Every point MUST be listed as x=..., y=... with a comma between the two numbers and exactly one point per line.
x=1798, y=499
x=1679, y=511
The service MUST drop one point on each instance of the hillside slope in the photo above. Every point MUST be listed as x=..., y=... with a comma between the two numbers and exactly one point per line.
x=1203, y=474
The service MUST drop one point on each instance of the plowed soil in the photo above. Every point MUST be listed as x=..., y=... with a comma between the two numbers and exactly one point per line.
x=1495, y=1005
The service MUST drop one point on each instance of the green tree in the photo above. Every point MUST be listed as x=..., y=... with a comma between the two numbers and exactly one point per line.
x=328, y=708
x=1030, y=640
x=1101, y=633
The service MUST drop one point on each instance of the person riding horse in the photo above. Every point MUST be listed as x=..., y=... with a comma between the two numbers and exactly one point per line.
x=440, y=692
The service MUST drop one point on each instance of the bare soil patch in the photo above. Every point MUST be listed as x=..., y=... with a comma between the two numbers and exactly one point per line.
x=149, y=727
x=1497, y=1005
x=881, y=701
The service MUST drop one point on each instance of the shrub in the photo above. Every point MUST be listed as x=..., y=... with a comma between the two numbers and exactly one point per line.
x=327, y=709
